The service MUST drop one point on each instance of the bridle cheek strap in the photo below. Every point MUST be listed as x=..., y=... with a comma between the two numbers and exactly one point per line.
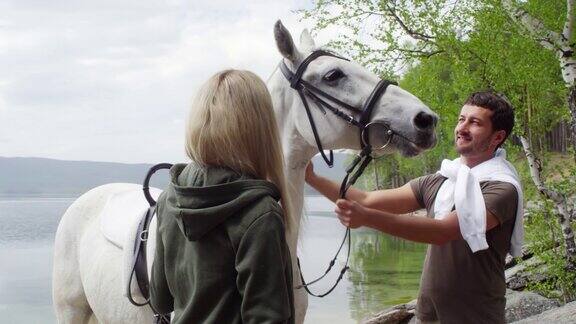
x=369, y=105
x=329, y=160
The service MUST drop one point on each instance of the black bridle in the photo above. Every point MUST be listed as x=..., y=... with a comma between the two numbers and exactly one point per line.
x=359, y=164
x=319, y=97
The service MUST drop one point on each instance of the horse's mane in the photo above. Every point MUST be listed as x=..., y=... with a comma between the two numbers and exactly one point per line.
x=273, y=72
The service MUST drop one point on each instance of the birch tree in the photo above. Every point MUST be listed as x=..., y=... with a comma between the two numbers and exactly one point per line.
x=560, y=200
x=561, y=43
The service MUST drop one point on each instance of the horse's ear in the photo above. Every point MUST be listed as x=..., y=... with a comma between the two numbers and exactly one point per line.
x=284, y=42
x=306, y=41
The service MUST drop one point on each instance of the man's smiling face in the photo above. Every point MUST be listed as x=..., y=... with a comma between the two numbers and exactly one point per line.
x=474, y=134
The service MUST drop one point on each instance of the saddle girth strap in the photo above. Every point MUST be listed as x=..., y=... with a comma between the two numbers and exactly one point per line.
x=140, y=267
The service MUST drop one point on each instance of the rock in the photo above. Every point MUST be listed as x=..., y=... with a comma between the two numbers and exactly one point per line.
x=520, y=305
x=398, y=314
x=531, y=204
x=560, y=315
x=526, y=254
x=518, y=276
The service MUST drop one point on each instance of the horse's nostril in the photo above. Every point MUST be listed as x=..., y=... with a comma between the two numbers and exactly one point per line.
x=424, y=120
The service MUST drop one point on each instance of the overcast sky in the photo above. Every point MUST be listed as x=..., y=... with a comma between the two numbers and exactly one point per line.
x=112, y=80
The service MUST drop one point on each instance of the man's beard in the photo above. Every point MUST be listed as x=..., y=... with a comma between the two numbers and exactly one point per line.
x=474, y=148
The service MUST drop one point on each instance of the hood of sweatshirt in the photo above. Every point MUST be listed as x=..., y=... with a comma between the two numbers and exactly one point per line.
x=201, y=198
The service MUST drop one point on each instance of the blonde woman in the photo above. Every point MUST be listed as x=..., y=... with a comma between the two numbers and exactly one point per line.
x=221, y=253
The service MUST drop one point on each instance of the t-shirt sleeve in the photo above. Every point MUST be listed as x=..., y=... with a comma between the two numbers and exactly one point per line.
x=501, y=199
x=425, y=189
x=417, y=185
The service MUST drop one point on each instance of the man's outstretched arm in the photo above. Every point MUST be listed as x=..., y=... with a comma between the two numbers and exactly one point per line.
x=417, y=229
x=398, y=201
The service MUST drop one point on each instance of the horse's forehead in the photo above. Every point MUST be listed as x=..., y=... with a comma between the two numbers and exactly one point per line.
x=323, y=64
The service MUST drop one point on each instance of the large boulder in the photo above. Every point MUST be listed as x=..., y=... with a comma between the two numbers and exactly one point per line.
x=524, y=304
x=526, y=254
x=560, y=315
x=519, y=305
x=398, y=314
x=518, y=276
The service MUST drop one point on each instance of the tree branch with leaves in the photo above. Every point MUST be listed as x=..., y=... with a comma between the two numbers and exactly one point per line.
x=561, y=43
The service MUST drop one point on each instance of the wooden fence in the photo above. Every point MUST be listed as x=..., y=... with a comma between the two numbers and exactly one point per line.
x=558, y=139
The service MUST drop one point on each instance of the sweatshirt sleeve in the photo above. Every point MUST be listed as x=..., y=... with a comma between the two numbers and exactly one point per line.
x=160, y=297
x=262, y=261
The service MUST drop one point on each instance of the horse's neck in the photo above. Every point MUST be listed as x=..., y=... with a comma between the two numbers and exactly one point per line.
x=297, y=152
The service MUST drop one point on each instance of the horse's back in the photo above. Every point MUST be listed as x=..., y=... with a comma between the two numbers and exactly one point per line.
x=82, y=256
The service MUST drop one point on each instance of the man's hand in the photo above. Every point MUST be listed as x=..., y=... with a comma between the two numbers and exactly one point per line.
x=419, y=229
x=309, y=175
x=351, y=213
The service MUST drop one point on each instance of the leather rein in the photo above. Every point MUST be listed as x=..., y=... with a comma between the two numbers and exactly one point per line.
x=360, y=162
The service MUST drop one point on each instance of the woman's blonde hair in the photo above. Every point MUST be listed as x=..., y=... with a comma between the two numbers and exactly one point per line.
x=232, y=124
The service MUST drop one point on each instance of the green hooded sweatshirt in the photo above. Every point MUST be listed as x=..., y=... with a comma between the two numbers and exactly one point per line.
x=221, y=253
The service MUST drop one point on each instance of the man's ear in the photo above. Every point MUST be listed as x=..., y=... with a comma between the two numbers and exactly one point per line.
x=499, y=137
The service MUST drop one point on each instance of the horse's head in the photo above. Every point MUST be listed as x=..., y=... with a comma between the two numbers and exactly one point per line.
x=411, y=121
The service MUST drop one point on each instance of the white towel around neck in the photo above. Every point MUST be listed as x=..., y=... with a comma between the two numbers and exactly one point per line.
x=462, y=190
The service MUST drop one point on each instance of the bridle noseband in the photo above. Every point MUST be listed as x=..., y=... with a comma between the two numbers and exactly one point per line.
x=361, y=161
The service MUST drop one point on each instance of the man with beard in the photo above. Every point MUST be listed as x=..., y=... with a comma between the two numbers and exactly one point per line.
x=474, y=217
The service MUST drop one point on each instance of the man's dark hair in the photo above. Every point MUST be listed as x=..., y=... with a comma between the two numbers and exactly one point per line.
x=503, y=116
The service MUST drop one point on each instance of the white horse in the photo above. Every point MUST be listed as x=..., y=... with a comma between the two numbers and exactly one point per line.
x=87, y=279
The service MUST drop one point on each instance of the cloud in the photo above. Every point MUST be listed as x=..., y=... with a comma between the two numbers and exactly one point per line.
x=2, y=105
x=112, y=80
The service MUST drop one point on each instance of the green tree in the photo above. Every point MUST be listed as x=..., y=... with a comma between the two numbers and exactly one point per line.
x=551, y=25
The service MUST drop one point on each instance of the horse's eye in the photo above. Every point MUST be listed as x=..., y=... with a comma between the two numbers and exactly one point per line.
x=333, y=75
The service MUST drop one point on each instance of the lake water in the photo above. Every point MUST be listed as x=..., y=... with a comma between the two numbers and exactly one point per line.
x=383, y=271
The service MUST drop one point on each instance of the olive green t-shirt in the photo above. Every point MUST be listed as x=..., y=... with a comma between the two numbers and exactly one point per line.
x=458, y=286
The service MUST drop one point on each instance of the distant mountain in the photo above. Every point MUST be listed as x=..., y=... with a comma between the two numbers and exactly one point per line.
x=40, y=176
